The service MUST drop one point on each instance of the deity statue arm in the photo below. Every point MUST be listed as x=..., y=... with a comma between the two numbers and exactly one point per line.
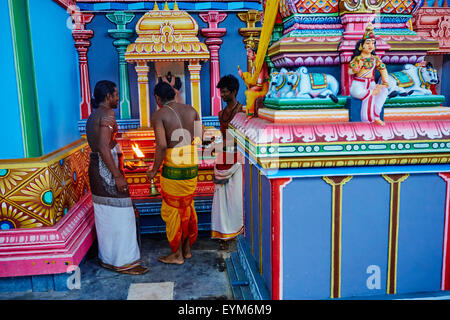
x=355, y=65
x=247, y=77
x=383, y=71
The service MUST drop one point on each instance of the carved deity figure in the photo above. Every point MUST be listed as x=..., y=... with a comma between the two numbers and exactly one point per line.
x=363, y=87
x=254, y=90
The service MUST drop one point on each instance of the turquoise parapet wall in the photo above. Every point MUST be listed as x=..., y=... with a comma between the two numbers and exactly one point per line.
x=10, y=130
x=57, y=79
x=103, y=59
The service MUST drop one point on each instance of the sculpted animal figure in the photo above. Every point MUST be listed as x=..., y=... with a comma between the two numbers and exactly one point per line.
x=413, y=80
x=312, y=85
x=278, y=87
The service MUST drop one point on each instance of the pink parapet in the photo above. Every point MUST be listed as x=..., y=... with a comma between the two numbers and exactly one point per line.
x=49, y=250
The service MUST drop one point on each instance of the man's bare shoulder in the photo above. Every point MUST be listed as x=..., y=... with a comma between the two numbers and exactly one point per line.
x=188, y=109
x=158, y=114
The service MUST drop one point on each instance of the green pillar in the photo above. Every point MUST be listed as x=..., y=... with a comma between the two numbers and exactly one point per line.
x=121, y=34
x=26, y=81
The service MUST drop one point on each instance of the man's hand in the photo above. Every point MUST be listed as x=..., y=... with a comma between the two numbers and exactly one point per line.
x=121, y=184
x=151, y=174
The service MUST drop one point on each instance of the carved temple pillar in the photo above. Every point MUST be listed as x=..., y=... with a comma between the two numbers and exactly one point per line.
x=213, y=41
x=122, y=34
x=142, y=69
x=194, y=71
x=250, y=33
x=82, y=43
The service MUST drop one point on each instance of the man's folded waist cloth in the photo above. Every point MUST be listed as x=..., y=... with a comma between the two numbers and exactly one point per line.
x=175, y=173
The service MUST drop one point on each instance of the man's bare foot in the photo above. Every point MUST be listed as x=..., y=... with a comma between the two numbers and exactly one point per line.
x=173, y=258
x=187, y=250
x=224, y=244
x=379, y=121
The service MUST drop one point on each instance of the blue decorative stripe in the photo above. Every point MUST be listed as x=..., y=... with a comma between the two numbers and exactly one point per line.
x=188, y=6
x=331, y=18
x=313, y=33
x=131, y=124
x=396, y=31
x=392, y=18
x=211, y=121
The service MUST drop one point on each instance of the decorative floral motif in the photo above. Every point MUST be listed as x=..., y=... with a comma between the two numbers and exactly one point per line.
x=11, y=178
x=13, y=218
x=39, y=196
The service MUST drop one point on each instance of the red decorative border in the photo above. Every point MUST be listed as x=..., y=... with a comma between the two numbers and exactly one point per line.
x=277, y=186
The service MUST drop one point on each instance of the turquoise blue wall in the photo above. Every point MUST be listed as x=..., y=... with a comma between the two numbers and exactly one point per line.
x=10, y=130
x=56, y=67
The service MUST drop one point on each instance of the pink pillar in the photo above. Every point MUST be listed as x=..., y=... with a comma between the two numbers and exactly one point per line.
x=213, y=41
x=82, y=43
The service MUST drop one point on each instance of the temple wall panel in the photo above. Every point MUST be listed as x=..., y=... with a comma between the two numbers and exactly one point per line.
x=420, y=235
x=306, y=225
x=365, y=236
x=11, y=131
x=56, y=73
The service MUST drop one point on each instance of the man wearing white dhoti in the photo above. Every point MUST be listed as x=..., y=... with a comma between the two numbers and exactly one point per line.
x=227, y=213
x=113, y=209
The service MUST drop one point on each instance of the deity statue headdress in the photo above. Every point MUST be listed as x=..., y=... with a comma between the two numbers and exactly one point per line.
x=369, y=34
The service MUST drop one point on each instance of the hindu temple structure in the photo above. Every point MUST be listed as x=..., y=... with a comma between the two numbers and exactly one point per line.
x=334, y=207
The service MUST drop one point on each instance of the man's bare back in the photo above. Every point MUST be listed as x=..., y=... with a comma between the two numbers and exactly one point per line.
x=170, y=116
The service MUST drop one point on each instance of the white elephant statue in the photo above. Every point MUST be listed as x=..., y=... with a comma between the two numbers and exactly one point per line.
x=278, y=87
x=301, y=84
x=412, y=80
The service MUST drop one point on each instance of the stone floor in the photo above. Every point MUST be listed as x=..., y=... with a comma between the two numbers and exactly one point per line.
x=203, y=277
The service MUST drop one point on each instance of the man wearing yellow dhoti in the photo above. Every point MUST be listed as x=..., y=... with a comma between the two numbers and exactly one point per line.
x=175, y=125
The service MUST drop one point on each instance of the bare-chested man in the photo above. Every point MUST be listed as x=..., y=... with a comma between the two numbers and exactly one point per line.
x=114, y=214
x=176, y=125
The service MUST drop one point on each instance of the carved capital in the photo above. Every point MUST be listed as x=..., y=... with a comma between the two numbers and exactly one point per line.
x=213, y=18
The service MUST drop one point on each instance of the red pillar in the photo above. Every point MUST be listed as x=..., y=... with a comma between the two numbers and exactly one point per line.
x=276, y=186
x=82, y=43
x=445, y=280
x=213, y=41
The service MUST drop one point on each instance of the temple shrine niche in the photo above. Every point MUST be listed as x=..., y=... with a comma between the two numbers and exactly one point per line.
x=166, y=36
x=335, y=207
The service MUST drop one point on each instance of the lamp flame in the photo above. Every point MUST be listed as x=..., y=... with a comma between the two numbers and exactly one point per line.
x=137, y=151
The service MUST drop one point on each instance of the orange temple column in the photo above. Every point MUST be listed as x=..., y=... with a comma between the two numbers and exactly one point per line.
x=194, y=70
x=142, y=69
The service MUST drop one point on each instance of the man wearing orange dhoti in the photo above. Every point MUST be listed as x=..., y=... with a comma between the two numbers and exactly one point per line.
x=175, y=125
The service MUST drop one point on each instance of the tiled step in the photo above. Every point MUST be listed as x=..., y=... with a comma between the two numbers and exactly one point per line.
x=238, y=280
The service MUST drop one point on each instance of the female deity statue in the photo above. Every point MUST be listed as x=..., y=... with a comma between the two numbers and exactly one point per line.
x=363, y=87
